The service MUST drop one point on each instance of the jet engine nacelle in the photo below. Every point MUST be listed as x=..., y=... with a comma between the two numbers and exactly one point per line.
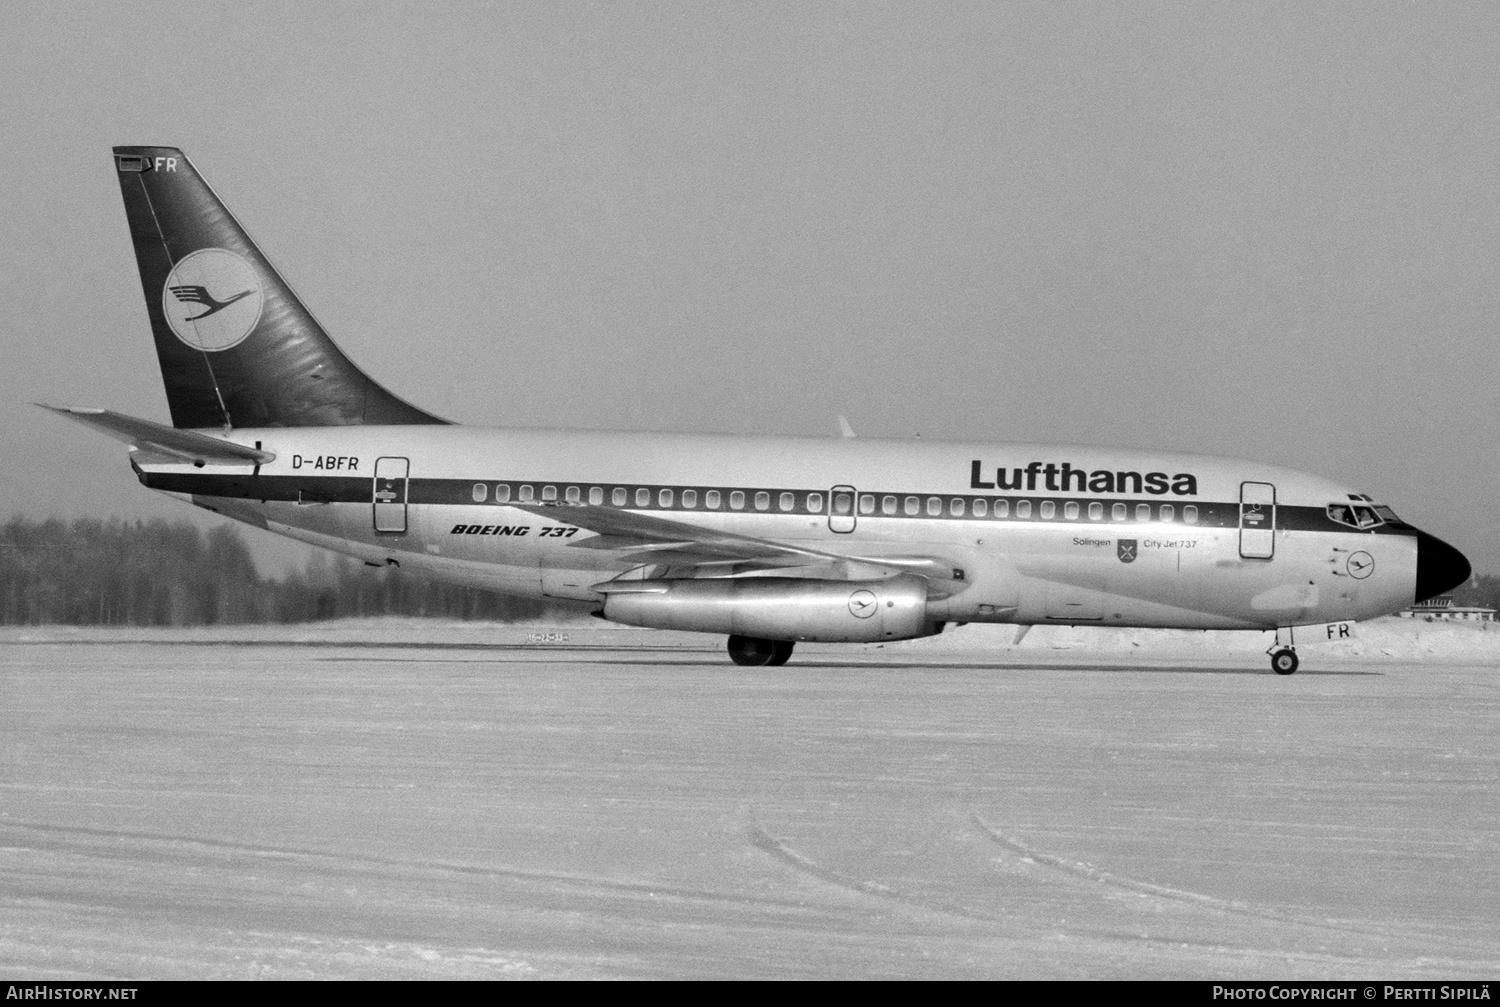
x=777, y=608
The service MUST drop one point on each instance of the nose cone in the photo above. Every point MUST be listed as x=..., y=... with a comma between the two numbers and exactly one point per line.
x=1440, y=567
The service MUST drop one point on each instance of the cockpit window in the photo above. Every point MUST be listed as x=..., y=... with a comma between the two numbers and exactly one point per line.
x=1358, y=515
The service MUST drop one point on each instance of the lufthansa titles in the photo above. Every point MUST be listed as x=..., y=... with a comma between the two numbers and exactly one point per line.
x=1065, y=478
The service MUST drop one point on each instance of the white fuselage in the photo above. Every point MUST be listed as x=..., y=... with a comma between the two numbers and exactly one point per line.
x=1025, y=534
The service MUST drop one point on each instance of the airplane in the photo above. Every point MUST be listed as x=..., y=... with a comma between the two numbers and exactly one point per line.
x=766, y=540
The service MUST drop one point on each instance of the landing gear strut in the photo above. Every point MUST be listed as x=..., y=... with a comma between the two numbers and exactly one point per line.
x=1284, y=661
x=753, y=651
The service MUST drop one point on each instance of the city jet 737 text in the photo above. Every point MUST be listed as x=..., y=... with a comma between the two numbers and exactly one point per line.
x=766, y=540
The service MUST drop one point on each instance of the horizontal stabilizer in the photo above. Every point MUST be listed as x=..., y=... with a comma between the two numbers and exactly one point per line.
x=189, y=445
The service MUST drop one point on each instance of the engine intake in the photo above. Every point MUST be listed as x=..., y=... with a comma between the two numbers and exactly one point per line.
x=776, y=608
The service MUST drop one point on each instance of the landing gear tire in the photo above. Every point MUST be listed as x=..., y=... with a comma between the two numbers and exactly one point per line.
x=1284, y=662
x=752, y=651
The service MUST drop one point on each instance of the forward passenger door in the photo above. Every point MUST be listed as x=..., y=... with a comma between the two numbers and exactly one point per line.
x=1257, y=520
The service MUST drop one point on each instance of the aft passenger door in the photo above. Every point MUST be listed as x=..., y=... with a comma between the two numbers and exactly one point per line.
x=1257, y=520
x=841, y=517
x=390, y=495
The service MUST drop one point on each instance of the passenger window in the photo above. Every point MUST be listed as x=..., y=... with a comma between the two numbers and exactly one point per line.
x=843, y=503
x=711, y=499
x=502, y=493
x=526, y=493
x=1190, y=514
x=981, y=508
x=549, y=492
x=1118, y=512
x=934, y=506
x=596, y=495
x=1023, y=509
x=737, y=500
x=1048, y=509
x=481, y=493
x=689, y=499
x=1168, y=512
x=571, y=493
x=911, y=505
x=1143, y=512
x=643, y=497
x=762, y=500
x=787, y=501
x=815, y=503
x=866, y=504
x=956, y=507
x=888, y=505
x=1002, y=508
x=664, y=498
x=617, y=496
x=1096, y=512
x=1070, y=510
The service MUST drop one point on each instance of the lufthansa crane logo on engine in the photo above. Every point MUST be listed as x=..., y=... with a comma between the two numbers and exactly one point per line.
x=862, y=604
x=212, y=299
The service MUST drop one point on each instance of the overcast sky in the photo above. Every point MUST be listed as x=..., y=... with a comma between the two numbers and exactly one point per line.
x=1262, y=230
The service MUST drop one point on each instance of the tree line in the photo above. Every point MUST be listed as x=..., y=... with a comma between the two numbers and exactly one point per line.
x=90, y=572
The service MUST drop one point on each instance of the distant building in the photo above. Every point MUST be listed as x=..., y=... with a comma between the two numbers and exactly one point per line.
x=1442, y=607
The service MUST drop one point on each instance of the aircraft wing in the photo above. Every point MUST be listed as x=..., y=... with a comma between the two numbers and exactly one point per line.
x=651, y=539
x=157, y=438
x=634, y=532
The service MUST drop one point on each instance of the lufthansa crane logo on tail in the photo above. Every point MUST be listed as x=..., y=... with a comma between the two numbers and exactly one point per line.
x=200, y=295
x=212, y=299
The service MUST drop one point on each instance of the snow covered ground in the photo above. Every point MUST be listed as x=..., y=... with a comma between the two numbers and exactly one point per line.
x=427, y=800
x=1388, y=639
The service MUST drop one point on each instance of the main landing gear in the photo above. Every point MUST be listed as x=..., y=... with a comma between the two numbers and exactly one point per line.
x=1284, y=661
x=753, y=651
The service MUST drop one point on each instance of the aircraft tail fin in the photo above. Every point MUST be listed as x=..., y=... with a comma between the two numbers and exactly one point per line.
x=237, y=348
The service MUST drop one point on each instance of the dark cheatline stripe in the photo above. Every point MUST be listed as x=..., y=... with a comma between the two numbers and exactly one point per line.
x=324, y=489
x=459, y=492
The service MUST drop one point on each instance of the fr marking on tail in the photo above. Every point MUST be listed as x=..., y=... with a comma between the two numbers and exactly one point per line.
x=200, y=295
